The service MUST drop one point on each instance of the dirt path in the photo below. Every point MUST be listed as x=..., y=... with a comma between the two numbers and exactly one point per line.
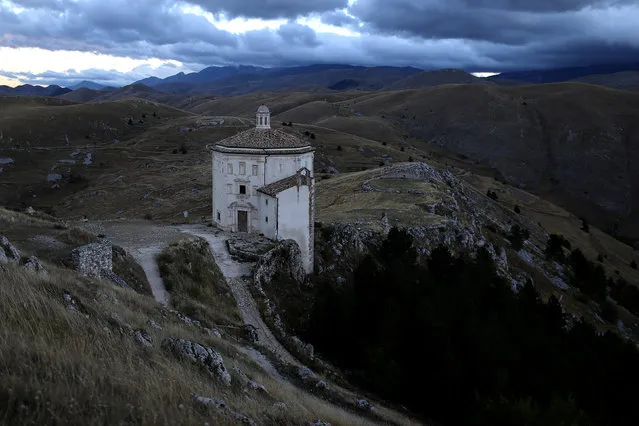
x=238, y=277
x=144, y=241
x=146, y=258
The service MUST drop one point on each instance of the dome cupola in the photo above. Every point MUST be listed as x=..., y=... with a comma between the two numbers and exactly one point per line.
x=263, y=118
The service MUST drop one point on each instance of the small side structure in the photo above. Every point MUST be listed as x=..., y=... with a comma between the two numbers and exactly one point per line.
x=92, y=260
x=263, y=183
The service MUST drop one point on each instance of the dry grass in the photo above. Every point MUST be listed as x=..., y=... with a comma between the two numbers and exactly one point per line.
x=196, y=284
x=58, y=366
x=76, y=236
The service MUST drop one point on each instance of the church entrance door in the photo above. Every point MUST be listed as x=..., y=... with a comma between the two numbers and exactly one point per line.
x=242, y=221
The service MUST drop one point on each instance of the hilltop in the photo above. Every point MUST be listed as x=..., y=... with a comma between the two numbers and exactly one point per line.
x=565, y=142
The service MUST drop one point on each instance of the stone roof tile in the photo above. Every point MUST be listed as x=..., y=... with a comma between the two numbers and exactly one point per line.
x=263, y=139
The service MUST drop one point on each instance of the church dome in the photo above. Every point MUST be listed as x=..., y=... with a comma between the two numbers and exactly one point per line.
x=263, y=109
x=263, y=139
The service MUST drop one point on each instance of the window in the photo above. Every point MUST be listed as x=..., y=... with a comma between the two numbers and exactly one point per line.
x=281, y=167
x=229, y=168
x=254, y=170
x=229, y=188
x=242, y=168
x=242, y=189
x=219, y=216
x=266, y=201
x=266, y=219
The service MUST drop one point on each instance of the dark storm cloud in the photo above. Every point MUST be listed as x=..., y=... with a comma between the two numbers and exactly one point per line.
x=106, y=24
x=295, y=34
x=269, y=9
x=338, y=18
x=499, y=21
x=476, y=35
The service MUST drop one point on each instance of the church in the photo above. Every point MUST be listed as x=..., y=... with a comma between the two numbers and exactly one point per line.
x=263, y=183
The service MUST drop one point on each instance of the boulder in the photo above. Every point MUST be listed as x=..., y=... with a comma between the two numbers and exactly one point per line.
x=251, y=333
x=204, y=356
x=143, y=338
x=364, y=404
x=241, y=418
x=8, y=252
x=218, y=404
x=284, y=259
x=33, y=264
x=54, y=177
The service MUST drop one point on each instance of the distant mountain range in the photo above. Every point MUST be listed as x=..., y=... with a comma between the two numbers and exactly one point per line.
x=562, y=74
x=85, y=84
x=30, y=90
x=237, y=80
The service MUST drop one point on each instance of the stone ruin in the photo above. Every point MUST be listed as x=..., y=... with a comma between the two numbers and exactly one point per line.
x=96, y=260
x=93, y=260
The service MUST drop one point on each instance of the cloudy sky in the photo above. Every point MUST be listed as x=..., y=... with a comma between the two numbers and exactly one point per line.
x=119, y=41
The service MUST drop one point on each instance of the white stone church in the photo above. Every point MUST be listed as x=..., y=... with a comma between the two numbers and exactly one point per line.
x=263, y=183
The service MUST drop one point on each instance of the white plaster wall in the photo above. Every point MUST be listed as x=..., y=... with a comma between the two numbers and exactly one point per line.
x=221, y=197
x=294, y=220
x=281, y=166
x=268, y=209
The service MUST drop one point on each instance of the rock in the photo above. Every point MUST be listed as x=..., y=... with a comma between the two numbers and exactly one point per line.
x=143, y=338
x=33, y=264
x=254, y=386
x=305, y=349
x=251, y=333
x=319, y=423
x=204, y=356
x=241, y=418
x=54, y=177
x=218, y=404
x=30, y=210
x=280, y=406
x=364, y=405
x=305, y=374
x=154, y=324
x=114, y=278
x=285, y=259
x=8, y=252
x=321, y=385
x=117, y=322
x=214, y=331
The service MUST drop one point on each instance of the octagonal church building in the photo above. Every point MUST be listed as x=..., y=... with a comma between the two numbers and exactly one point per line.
x=263, y=183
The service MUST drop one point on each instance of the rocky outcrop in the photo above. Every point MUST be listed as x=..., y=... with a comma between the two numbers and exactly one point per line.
x=285, y=259
x=33, y=264
x=204, y=356
x=8, y=252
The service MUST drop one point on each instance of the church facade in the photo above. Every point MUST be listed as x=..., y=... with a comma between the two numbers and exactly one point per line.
x=263, y=183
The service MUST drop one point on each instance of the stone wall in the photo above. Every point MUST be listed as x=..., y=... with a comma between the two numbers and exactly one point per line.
x=91, y=259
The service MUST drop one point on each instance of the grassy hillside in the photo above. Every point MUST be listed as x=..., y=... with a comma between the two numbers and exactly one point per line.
x=572, y=142
x=81, y=351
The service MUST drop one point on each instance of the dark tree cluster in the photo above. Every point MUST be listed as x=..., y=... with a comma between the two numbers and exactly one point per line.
x=517, y=237
x=453, y=342
x=492, y=195
x=555, y=247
